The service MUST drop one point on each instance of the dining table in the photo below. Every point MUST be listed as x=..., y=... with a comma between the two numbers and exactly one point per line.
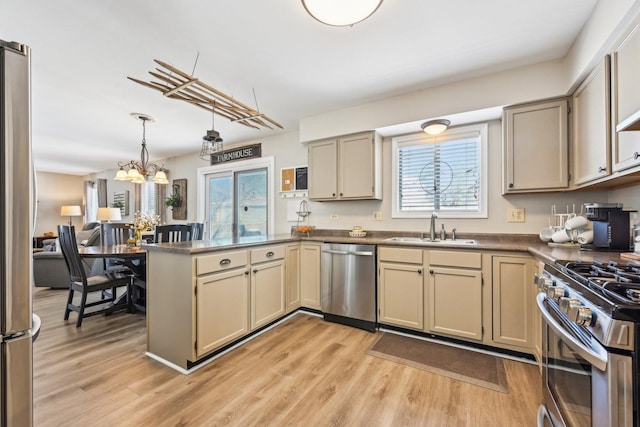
x=135, y=259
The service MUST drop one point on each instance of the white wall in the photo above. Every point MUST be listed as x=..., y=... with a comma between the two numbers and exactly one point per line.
x=55, y=190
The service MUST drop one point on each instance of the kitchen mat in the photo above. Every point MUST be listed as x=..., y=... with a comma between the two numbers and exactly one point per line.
x=476, y=368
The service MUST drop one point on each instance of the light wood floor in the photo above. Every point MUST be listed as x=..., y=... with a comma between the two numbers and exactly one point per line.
x=305, y=372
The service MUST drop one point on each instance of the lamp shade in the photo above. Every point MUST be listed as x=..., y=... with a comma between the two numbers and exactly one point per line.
x=108, y=214
x=70, y=210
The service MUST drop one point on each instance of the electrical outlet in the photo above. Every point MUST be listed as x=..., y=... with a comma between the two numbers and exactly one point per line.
x=334, y=217
x=515, y=215
x=377, y=216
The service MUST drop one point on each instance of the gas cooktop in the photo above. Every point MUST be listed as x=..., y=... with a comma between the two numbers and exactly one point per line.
x=616, y=284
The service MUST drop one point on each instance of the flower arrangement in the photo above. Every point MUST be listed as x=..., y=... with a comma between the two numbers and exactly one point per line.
x=144, y=221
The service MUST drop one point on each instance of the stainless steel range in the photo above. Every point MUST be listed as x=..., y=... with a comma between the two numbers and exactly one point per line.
x=591, y=341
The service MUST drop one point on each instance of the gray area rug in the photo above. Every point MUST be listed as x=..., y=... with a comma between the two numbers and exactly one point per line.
x=480, y=369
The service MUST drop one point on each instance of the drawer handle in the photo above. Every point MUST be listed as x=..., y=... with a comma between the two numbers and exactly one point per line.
x=225, y=261
x=270, y=254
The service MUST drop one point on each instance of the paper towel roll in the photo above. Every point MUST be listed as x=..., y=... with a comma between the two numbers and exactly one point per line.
x=585, y=237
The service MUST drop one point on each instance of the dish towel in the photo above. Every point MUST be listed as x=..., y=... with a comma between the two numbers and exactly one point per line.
x=585, y=237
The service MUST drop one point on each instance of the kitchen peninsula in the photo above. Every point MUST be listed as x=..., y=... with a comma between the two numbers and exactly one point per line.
x=204, y=297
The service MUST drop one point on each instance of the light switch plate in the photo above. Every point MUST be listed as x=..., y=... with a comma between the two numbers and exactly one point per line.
x=377, y=216
x=334, y=217
x=515, y=215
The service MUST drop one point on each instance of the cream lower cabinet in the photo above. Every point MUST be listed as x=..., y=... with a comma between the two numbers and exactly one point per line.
x=310, y=275
x=292, y=280
x=454, y=298
x=267, y=285
x=401, y=287
x=513, y=306
x=222, y=313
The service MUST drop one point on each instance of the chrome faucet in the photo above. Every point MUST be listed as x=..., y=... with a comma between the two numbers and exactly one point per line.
x=432, y=229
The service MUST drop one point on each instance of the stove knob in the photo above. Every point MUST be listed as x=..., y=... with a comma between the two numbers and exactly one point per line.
x=555, y=292
x=584, y=316
x=574, y=308
x=564, y=303
x=544, y=282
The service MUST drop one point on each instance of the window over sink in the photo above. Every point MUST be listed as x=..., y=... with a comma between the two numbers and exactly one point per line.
x=446, y=173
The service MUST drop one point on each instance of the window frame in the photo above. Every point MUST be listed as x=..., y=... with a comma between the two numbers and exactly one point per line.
x=262, y=162
x=482, y=129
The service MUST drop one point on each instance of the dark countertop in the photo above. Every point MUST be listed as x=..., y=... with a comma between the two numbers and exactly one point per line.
x=489, y=242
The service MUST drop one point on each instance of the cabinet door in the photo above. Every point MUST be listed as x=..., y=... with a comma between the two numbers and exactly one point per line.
x=625, y=100
x=323, y=170
x=592, y=133
x=455, y=302
x=536, y=147
x=292, y=269
x=512, y=304
x=310, y=275
x=356, y=167
x=401, y=295
x=222, y=309
x=267, y=293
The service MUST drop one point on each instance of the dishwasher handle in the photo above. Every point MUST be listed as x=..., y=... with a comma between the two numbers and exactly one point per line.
x=358, y=253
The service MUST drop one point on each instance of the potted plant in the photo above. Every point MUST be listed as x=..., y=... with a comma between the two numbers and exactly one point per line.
x=173, y=201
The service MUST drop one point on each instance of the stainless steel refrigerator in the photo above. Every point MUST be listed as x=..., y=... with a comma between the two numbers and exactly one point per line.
x=16, y=224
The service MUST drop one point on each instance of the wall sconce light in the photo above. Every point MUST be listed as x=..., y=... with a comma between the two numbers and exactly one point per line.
x=435, y=127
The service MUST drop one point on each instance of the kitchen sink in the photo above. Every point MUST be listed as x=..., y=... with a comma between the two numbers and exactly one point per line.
x=422, y=241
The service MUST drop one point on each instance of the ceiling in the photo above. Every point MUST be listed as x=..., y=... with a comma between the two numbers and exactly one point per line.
x=82, y=52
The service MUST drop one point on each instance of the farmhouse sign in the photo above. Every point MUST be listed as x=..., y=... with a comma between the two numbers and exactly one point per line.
x=242, y=153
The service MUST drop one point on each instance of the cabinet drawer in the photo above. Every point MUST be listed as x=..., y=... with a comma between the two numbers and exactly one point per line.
x=221, y=261
x=403, y=255
x=268, y=253
x=456, y=259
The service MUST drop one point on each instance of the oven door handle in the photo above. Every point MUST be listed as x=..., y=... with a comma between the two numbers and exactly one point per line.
x=596, y=356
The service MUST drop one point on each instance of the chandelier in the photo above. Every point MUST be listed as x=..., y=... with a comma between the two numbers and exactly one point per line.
x=137, y=171
x=211, y=142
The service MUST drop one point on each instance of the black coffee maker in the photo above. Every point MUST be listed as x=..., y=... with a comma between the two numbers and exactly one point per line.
x=611, y=228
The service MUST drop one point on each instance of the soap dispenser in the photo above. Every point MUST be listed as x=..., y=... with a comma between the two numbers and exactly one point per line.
x=443, y=233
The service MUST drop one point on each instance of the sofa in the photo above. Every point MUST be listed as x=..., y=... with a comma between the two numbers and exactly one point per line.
x=49, y=267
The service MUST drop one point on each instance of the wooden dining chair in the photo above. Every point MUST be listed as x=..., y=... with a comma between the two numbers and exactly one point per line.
x=197, y=230
x=172, y=233
x=111, y=234
x=79, y=282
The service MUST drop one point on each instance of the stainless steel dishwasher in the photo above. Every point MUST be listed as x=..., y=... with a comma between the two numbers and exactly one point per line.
x=348, y=285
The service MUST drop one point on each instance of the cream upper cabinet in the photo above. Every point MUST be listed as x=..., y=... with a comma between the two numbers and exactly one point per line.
x=454, y=300
x=591, y=142
x=513, y=305
x=625, y=100
x=346, y=168
x=536, y=147
x=310, y=275
x=401, y=287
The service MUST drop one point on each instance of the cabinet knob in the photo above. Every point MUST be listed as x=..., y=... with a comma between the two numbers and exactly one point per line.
x=511, y=185
x=255, y=271
x=636, y=155
x=602, y=169
x=246, y=272
x=340, y=194
x=333, y=194
x=419, y=271
x=430, y=271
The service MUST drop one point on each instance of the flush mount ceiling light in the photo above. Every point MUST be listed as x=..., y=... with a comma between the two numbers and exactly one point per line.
x=435, y=127
x=341, y=13
x=139, y=170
